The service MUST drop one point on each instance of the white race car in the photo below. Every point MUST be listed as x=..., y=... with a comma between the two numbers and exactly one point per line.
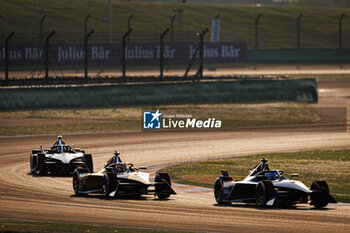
x=59, y=159
x=267, y=187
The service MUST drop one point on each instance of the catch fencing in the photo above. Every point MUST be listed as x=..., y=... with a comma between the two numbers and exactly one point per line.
x=60, y=54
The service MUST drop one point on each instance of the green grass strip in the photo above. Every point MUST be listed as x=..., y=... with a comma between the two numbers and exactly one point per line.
x=42, y=227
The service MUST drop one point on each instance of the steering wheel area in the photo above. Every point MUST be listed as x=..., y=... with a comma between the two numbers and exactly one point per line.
x=58, y=149
x=272, y=174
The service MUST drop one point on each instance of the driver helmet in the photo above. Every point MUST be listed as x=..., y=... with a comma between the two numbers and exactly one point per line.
x=119, y=168
x=116, y=153
x=59, y=137
x=270, y=175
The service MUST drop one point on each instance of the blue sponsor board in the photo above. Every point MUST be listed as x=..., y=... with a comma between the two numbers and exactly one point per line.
x=111, y=53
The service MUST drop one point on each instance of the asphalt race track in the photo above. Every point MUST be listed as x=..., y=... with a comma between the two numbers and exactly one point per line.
x=23, y=196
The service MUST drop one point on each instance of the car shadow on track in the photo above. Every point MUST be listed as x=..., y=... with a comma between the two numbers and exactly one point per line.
x=292, y=207
x=49, y=175
x=101, y=197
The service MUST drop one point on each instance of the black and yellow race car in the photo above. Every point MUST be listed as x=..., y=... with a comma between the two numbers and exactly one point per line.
x=119, y=179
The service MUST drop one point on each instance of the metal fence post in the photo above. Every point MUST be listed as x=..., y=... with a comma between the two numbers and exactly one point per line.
x=298, y=30
x=87, y=52
x=47, y=53
x=179, y=11
x=257, y=31
x=7, y=55
x=123, y=52
x=201, y=52
x=110, y=20
x=85, y=25
x=162, y=51
x=129, y=25
x=341, y=30
x=172, y=28
x=42, y=28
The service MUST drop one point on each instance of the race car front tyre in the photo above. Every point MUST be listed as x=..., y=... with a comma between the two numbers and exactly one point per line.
x=162, y=190
x=88, y=162
x=77, y=181
x=319, y=200
x=263, y=192
x=109, y=184
x=40, y=165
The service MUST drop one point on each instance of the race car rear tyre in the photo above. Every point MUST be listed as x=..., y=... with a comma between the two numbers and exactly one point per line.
x=219, y=189
x=88, y=161
x=109, y=184
x=77, y=181
x=33, y=161
x=161, y=188
x=263, y=192
x=319, y=201
x=41, y=165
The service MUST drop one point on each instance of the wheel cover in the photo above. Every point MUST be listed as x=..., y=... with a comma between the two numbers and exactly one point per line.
x=76, y=183
x=260, y=197
x=218, y=190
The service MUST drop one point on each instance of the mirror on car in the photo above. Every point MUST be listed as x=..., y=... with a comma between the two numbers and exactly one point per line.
x=294, y=175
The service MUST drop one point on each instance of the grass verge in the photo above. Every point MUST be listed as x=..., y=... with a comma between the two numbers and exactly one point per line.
x=323, y=77
x=330, y=165
x=53, y=121
x=41, y=227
